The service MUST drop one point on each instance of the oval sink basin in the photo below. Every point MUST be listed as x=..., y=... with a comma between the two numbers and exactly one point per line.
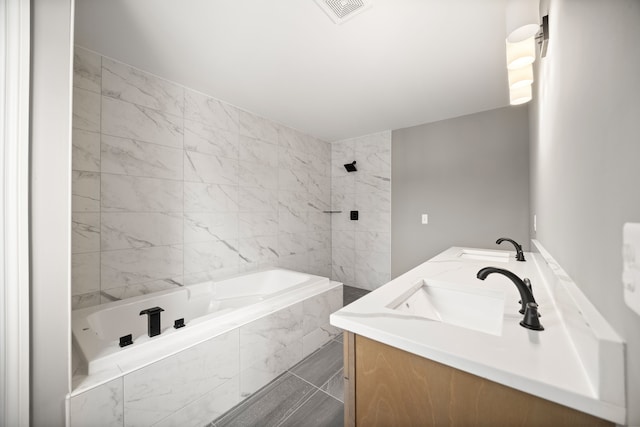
x=478, y=255
x=463, y=306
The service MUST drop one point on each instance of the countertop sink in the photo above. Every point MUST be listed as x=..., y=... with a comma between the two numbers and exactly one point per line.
x=479, y=255
x=463, y=306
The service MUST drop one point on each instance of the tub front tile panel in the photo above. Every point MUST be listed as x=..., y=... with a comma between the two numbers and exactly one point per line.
x=270, y=367
x=162, y=388
x=130, y=157
x=130, y=266
x=126, y=83
x=261, y=339
x=86, y=151
x=87, y=70
x=128, y=120
x=140, y=230
x=101, y=406
x=209, y=407
x=316, y=328
x=122, y=193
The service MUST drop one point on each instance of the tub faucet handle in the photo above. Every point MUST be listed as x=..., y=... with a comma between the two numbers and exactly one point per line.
x=153, y=320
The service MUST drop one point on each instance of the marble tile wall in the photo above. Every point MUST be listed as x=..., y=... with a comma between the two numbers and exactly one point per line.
x=172, y=187
x=361, y=250
x=198, y=384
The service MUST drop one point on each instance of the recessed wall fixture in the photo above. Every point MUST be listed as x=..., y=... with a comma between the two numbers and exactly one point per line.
x=522, y=28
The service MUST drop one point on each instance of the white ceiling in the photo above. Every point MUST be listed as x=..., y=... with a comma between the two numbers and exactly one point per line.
x=399, y=64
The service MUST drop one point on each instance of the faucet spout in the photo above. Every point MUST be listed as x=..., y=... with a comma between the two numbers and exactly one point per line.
x=519, y=253
x=526, y=296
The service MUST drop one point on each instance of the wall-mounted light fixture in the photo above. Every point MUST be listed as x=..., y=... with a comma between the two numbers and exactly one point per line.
x=523, y=28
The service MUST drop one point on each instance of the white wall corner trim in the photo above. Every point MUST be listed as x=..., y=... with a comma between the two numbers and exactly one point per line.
x=14, y=215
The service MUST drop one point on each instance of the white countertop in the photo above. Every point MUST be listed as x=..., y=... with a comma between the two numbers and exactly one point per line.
x=542, y=363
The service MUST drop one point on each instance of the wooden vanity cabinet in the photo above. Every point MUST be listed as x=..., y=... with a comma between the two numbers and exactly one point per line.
x=385, y=386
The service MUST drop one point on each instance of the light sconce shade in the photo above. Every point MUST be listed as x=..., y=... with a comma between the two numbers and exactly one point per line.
x=520, y=77
x=523, y=19
x=520, y=95
x=521, y=53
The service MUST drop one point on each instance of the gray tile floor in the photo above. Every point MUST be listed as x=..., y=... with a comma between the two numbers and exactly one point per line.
x=309, y=394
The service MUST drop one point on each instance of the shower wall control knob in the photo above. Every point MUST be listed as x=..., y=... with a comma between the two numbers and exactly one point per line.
x=354, y=215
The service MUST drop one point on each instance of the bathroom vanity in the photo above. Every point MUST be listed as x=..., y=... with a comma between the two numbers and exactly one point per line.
x=437, y=346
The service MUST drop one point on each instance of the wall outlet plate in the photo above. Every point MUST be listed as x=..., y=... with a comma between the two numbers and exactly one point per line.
x=631, y=265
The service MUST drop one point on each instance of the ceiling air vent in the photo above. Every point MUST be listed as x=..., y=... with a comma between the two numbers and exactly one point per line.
x=342, y=10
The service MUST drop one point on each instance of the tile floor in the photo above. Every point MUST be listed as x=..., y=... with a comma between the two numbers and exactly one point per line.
x=309, y=394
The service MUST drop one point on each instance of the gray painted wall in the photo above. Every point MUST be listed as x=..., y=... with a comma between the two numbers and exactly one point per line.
x=470, y=174
x=50, y=200
x=585, y=149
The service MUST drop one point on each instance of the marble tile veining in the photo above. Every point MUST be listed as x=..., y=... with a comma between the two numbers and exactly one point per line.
x=256, y=151
x=158, y=390
x=128, y=120
x=210, y=169
x=85, y=273
x=85, y=232
x=130, y=157
x=140, y=229
x=208, y=256
x=85, y=191
x=105, y=400
x=204, y=109
x=87, y=70
x=200, y=197
x=86, y=151
x=207, y=139
x=86, y=110
x=129, y=84
x=206, y=227
x=122, y=193
x=131, y=266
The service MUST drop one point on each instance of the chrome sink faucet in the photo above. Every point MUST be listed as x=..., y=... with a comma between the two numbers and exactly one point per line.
x=519, y=253
x=529, y=305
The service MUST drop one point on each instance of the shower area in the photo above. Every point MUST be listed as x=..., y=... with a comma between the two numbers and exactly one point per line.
x=172, y=188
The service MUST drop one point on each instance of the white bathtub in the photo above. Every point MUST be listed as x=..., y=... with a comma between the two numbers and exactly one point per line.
x=208, y=309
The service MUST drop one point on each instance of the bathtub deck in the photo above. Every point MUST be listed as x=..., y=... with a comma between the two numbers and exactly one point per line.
x=309, y=394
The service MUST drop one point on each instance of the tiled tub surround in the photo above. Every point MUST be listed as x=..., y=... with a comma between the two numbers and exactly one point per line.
x=172, y=187
x=361, y=250
x=219, y=364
